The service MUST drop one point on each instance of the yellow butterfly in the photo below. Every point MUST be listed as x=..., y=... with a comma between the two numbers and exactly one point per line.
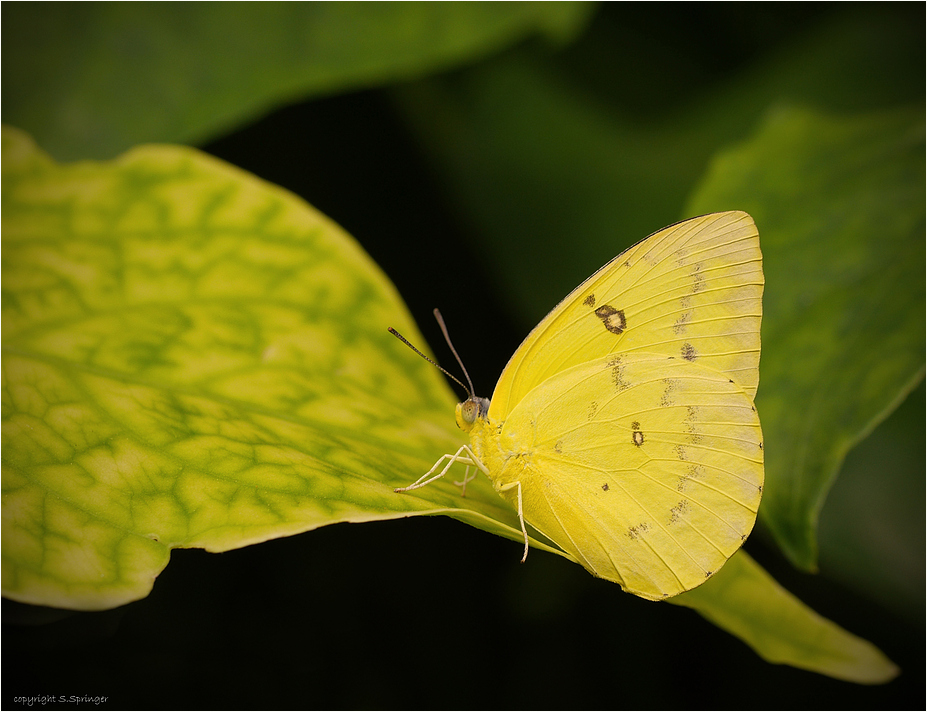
x=623, y=428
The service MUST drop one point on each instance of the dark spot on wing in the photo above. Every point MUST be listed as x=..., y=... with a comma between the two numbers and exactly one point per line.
x=690, y=422
x=695, y=472
x=698, y=281
x=675, y=512
x=671, y=385
x=681, y=322
x=680, y=452
x=589, y=301
x=613, y=319
x=688, y=352
x=637, y=437
x=634, y=532
x=617, y=367
x=593, y=409
x=605, y=487
x=558, y=447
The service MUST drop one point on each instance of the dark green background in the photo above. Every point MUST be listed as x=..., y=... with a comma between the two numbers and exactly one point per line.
x=427, y=612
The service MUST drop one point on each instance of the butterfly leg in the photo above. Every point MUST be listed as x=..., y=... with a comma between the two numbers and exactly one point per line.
x=467, y=459
x=467, y=478
x=521, y=516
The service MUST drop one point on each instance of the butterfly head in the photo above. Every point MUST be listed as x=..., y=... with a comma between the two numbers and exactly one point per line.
x=470, y=410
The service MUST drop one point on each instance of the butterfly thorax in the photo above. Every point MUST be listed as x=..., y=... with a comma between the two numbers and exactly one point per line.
x=502, y=457
x=473, y=418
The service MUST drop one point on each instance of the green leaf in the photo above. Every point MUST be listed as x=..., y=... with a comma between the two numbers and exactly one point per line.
x=195, y=358
x=93, y=79
x=745, y=601
x=839, y=202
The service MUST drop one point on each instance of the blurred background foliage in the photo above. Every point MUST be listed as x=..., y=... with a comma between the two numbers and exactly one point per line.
x=489, y=157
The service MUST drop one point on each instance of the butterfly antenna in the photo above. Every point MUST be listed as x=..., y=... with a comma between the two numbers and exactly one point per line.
x=404, y=340
x=447, y=338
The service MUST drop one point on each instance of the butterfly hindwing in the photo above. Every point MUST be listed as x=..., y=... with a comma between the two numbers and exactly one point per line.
x=646, y=469
x=692, y=290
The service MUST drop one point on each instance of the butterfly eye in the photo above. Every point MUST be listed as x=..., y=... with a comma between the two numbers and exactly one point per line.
x=470, y=410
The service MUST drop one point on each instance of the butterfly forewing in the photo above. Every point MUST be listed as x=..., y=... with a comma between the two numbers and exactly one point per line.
x=693, y=291
x=646, y=469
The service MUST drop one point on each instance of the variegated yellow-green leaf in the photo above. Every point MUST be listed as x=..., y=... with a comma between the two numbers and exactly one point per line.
x=195, y=358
